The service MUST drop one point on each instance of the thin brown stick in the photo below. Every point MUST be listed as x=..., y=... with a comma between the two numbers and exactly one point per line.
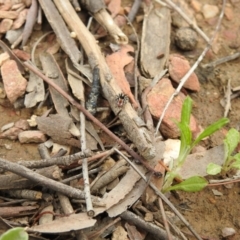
x=165, y=221
x=90, y=116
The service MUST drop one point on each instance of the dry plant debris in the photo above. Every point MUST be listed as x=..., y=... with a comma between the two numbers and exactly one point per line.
x=62, y=78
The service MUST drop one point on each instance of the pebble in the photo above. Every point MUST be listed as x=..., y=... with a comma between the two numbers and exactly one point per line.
x=178, y=67
x=196, y=5
x=209, y=11
x=186, y=39
x=157, y=99
x=31, y=136
x=14, y=83
x=11, y=133
x=5, y=25
x=229, y=13
x=227, y=232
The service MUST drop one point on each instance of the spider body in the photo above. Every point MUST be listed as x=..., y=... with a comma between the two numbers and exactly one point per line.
x=121, y=100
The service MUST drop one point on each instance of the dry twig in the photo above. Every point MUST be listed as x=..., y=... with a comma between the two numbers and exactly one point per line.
x=65, y=160
x=89, y=205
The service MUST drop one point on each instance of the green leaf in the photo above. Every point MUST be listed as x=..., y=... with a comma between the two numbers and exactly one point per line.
x=236, y=164
x=237, y=157
x=211, y=129
x=186, y=110
x=232, y=139
x=213, y=169
x=192, y=184
x=186, y=134
x=15, y=234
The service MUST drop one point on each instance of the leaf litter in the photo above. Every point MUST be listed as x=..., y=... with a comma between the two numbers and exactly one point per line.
x=62, y=124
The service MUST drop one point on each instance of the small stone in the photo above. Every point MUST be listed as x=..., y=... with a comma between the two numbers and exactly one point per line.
x=14, y=83
x=178, y=67
x=7, y=126
x=8, y=146
x=157, y=100
x=32, y=121
x=11, y=133
x=5, y=25
x=22, y=124
x=209, y=11
x=196, y=5
x=186, y=38
x=31, y=136
x=227, y=232
x=229, y=13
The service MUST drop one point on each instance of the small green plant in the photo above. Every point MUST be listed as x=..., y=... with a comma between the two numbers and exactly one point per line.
x=195, y=183
x=17, y=233
x=230, y=161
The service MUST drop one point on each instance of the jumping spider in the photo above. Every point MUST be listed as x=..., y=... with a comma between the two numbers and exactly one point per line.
x=121, y=100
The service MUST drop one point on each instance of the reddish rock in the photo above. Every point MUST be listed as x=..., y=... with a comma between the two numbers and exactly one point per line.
x=21, y=54
x=157, y=100
x=14, y=83
x=22, y=124
x=5, y=25
x=196, y=5
x=11, y=133
x=229, y=13
x=178, y=67
x=31, y=137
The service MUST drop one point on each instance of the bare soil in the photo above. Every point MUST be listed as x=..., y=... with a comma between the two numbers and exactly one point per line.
x=207, y=213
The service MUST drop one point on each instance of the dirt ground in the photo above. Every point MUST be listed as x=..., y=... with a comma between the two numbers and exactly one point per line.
x=207, y=213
